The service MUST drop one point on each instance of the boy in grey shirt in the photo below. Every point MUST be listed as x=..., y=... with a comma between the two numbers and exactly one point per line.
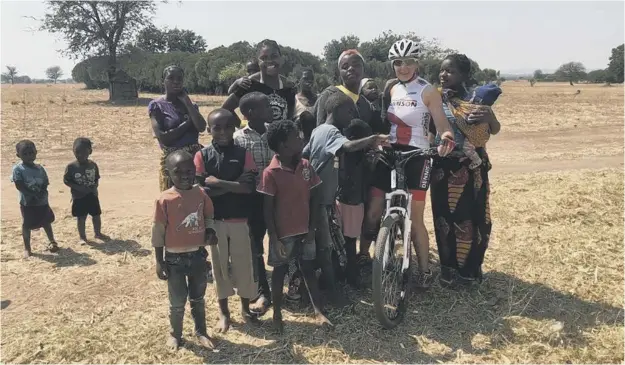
x=326, y=144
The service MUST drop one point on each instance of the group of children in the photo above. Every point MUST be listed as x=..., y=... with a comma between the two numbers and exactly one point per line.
x=262, y=172
x=82, y=176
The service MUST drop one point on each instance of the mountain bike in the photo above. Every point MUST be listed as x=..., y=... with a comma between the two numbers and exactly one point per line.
x=391, y=264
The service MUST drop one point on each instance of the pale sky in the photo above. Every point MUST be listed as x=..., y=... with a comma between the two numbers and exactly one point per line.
x=513, y=37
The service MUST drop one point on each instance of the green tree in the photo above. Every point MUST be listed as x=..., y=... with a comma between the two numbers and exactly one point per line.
x=10, y=75
x=539, y=75
x=151, y=39
x=54, y=73
x=230, y=73
x=572, y=71
x=617, y=65
x=97, y=28
x=597, y=76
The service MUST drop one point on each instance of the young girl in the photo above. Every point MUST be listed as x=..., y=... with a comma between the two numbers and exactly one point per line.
x=31, y=180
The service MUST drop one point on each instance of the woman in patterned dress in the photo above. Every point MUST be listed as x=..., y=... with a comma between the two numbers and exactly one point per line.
x=460, y=196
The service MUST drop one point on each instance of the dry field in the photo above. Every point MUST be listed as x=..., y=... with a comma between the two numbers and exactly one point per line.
x=554, y=289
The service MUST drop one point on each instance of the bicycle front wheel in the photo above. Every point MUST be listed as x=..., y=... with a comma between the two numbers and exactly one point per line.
x=390, y=282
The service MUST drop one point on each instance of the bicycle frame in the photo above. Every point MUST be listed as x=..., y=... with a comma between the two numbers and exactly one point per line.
x=403, y=211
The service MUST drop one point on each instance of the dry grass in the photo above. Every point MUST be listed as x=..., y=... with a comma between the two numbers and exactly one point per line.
x=554, y=292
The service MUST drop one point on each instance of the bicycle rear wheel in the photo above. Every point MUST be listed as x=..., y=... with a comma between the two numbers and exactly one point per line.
x=389, y=282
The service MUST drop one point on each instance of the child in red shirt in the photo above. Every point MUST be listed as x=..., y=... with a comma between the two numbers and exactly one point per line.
x=288, y=184
x=183, y=225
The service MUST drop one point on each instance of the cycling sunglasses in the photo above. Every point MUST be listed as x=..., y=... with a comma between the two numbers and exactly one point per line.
x=405, y=62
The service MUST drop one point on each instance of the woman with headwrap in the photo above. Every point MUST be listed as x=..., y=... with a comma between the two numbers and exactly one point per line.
x=460, y=195
x=351, y=69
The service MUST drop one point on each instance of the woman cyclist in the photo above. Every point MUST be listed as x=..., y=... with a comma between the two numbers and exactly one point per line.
x=409, y=104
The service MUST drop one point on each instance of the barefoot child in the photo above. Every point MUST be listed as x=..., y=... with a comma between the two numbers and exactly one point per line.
x=326, y=144
x=228, y=174
x=288, y=184
x=183, y=226
x=256, y=108
x=83, y=177
x=31, y=180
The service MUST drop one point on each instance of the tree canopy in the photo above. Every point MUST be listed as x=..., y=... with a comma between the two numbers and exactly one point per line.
x=616, y=65
x=54, y=73
x=97, y=28
x=572, y=71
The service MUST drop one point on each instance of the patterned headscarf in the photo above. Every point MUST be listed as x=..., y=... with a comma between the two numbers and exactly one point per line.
x=349, y=52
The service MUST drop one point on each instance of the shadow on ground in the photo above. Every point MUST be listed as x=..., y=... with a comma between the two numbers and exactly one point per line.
x=115, y=247
x=4, y=304
x=448, y=320
x=66, y=257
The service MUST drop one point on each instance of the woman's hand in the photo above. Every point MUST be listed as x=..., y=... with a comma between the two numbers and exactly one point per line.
x=244, y=83
x=184, y=98
x=480, y=114
x=447, y=144
x=484, y=114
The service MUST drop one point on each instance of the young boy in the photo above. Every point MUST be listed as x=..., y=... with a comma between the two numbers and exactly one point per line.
x=228, y=174
x=288, y=184
x=257, y=111
x=326, y=143
x=351, y=196
x=83, y=177
x=183, y=226
x=31, y=180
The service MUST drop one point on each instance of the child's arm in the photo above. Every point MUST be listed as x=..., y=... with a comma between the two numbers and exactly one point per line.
x=367, y=142
x=69, y=181
x=269, y=189
x=245, y=184
x=313, y=184
x=158, y=239
x=209, y=222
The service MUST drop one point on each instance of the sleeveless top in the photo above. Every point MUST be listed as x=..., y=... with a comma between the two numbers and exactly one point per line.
x=409, y=116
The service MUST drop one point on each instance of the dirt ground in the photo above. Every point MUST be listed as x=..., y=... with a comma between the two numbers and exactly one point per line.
x=554, y=289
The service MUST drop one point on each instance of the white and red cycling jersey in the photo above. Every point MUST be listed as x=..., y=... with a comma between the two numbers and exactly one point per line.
x=409, y=116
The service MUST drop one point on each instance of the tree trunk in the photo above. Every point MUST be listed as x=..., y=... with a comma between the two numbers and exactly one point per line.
x=112, y=68
x=571, y=82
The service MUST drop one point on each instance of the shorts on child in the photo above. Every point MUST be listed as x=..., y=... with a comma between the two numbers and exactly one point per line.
x=295, y=247
x=351, y=218
x=36, y=216
x=234, y=247
x=87, y=205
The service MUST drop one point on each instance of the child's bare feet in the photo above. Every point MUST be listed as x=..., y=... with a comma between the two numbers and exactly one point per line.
x=323, y=320
x=102, y=237
x=27, y=254
x=53, y=247
x=278, y=325
x=223, y=324
x=206, y=341
x=82, y=242
x=172, y=343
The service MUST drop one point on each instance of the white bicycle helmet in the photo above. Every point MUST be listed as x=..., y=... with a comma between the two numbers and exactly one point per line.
x=402, y=49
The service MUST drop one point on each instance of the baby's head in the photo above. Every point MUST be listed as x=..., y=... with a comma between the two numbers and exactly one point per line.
x=486, y=94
